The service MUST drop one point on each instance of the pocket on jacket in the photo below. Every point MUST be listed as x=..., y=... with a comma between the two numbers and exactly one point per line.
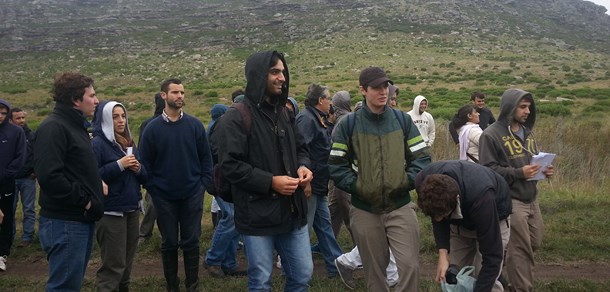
x=264, y=212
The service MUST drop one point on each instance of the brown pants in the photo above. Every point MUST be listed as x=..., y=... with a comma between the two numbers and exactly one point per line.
x=338, y=204
x=376, y=235
x=465, y=248
x=526, y=232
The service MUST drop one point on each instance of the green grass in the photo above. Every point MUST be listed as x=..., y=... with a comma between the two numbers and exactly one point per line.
x=576, y=230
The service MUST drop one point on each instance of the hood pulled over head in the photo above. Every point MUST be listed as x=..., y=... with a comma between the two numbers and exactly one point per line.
x=103, y=124
x=257, y=69
x=218, y=110
x=508, y=103
x=295, y=104
x=342, y=103
x=418, y=99
x=8, y=107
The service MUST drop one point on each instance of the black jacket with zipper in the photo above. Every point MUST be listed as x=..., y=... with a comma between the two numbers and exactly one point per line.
x=271, y=147
x=66, y=168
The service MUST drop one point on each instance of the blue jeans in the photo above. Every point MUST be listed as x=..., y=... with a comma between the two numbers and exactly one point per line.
x=179, y=216
x=295, y=252
x=318, y=218
x=26, y=187
x=224, y=242
x=68, y=248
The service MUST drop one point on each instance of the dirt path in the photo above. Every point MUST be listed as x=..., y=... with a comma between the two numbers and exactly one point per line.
x=36, y=267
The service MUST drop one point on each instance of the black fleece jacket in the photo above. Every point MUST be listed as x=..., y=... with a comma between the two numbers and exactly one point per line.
x=66, y=168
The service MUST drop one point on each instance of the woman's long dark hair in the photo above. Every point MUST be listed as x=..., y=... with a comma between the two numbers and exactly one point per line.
x=461, y=117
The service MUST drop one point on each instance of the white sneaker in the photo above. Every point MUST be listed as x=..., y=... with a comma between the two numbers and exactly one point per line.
x=279, y=262
x=2, y=263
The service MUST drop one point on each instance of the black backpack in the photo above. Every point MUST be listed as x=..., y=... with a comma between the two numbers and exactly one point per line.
x=220, y=186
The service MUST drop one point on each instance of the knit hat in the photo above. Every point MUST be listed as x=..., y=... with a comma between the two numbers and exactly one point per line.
x=374, y=77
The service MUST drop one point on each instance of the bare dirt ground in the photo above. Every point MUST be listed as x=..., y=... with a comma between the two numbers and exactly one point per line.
x=36, y=267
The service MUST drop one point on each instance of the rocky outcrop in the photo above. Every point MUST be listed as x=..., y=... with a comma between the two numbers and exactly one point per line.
x=140, y=25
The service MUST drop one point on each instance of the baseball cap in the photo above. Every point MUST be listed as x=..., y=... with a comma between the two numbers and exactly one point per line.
x=374, y=77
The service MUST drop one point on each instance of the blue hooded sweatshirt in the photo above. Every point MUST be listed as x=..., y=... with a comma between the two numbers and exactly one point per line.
x=12, y=148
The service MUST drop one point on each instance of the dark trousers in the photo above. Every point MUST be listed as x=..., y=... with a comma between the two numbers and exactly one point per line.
x=117, y=237
x=179, y=217
x=7, y=197
x=182, y=217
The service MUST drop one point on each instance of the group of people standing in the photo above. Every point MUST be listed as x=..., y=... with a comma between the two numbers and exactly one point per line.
x=290, y=172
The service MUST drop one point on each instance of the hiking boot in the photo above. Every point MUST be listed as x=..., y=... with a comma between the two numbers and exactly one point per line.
x=24, y=243
x=170, y=270
x=346, y=275
x=215, y=271
x=236, y=273
x=2, y=263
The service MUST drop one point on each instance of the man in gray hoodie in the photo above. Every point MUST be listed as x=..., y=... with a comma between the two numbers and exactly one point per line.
x=507, y=147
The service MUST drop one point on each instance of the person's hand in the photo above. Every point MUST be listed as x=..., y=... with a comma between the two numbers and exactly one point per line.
x=530, y=170
x=284, y=185
x=130, y=162
x=104, y=189
x=1, y=216
x=305, y=175
x=307, y=190
x=443, y=265
x=550, y=171
x=88, y=206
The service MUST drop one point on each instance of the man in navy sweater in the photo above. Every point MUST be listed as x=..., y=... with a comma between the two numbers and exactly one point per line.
x=176, y=153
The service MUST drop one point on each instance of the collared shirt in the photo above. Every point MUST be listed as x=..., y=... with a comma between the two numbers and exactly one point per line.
x=166, y=117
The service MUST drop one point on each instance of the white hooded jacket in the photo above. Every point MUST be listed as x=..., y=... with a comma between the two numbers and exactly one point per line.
x=424, y=122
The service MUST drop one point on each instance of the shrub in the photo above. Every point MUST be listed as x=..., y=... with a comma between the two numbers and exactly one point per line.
x=553, y=109
x=13, y=90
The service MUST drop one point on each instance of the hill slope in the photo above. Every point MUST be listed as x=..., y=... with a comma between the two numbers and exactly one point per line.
x=137, y=25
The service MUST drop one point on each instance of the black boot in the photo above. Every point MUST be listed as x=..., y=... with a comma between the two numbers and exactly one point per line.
x=191, y=269
x=170, y=270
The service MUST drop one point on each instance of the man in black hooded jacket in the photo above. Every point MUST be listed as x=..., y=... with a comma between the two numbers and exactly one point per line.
x=266, y=163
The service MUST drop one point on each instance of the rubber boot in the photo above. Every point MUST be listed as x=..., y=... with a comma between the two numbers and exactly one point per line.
x=191, y=269
x=170, y=270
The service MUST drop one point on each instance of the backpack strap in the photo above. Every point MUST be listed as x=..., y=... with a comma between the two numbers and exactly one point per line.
x=401, y=120
x=472, y=157
x=351, y=120
x=246, y=117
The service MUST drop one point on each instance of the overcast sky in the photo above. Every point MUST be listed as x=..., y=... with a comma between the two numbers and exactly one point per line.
x=605, y=3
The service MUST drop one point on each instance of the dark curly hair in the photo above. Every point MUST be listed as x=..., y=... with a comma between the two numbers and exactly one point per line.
x=461, y=117
x=70, y=87
x=438, y=195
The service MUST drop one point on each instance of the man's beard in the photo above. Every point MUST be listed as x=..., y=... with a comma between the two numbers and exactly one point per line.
x=173, y=105
x=272, y=99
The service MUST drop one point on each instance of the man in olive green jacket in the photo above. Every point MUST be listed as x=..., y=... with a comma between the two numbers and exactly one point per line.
x=375, y=156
